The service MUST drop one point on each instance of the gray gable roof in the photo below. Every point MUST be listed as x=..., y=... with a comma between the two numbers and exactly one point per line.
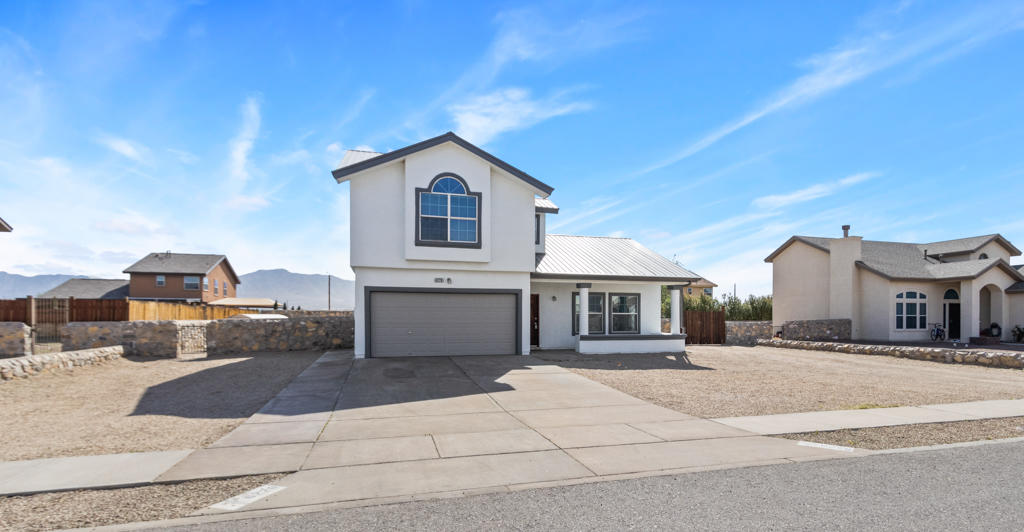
x=357, y=163
x=179, y=263
x=605, y=258
x=90, y=289
x=5, y=227
x=903, y=260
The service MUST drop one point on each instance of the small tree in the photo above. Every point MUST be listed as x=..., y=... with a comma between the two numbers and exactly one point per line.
x=275, y=304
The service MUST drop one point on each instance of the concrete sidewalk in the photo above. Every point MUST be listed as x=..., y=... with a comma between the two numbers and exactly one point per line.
x=874, y=417
x=371, y=430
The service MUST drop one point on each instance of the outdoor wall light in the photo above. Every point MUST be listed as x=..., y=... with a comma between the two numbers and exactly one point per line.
x=554, y=298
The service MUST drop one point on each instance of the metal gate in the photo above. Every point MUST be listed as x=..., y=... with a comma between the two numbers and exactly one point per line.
x=46, y=317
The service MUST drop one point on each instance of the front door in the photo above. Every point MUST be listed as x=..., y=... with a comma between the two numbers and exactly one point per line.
x=953, y=321
x=535, y=319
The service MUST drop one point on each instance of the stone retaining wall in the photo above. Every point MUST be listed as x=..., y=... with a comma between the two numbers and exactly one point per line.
x=15, y=339
x=234, y=336
x=139, y=338
x=747, y=332
x=28, y=366
x=839, y=329
x=937, y=354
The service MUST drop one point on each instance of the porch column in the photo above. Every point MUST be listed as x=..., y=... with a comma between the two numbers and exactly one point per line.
x=584, y=325
x=970, y=310
x=675, y=317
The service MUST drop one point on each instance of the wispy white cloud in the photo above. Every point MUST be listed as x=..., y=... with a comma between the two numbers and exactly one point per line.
x=248, y=203
x=241, y=145
x=529, y=35
x=125, y=147
x=861, y=56
x=183, y=156
x=356, y=108
x=484, y=117
x=818, y=190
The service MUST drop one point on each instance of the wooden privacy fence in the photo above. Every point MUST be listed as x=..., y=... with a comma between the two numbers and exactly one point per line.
x=158, y=310
x=37, y=311
x=704, y=326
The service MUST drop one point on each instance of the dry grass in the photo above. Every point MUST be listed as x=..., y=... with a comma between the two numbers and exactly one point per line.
x=918, y=435
x=139, y=404
x=75, y=509
x=723, y=381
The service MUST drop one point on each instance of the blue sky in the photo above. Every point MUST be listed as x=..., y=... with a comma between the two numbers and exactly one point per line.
x=708, y=132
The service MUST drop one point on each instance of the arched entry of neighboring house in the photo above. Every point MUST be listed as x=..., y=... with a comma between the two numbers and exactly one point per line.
x=990, y=300
x=951, y=314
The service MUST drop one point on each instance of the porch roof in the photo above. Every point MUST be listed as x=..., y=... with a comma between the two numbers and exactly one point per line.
x=605, y=258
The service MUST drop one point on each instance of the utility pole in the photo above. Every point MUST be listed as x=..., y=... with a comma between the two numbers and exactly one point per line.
x=328, y=290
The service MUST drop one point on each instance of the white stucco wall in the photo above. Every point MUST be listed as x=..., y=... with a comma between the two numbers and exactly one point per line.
x=800, y=284
x=993, y=250
x=1015, y=307
x=556, y=315
x=603, y=347
x=383, y=215
x=876, y=316
x=423, y=278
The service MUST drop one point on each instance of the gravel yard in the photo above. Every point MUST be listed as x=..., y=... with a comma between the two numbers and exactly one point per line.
x=139, y=404
x=918, y=435
x=78, y=509
x=723, y=381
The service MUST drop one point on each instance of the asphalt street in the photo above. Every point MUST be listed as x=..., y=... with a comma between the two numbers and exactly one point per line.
x=966, y=488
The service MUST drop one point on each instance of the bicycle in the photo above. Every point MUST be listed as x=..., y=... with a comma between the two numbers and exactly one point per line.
x=938, y=333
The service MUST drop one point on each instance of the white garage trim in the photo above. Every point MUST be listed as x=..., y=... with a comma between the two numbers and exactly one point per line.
x=368, y=311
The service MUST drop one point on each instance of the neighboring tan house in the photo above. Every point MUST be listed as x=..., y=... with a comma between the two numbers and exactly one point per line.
x=896, y=291
x=90, y=289
x=702, y=287
x=5, y=227
x=182, y=277
x=450, y=256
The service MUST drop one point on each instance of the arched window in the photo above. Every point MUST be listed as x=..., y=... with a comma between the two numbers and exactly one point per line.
x=911, y=311
x=983, y=256
x=447, y=213
x=951, y=294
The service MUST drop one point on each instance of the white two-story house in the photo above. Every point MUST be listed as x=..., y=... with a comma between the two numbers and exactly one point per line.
x=451, y=258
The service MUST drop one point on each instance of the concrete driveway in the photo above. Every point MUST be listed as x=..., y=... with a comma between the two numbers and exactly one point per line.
x=387, y=429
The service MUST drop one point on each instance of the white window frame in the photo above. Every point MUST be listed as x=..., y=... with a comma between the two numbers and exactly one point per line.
x=206, y=284
x=214, y=287
x=185, y=282
x=161, y=280
x=900, y=310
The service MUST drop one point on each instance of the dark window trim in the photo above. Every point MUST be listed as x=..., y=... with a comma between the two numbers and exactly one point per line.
x=572, y=312
x=633, y=337
x=479, y=216
x=369, y=290
x=536, y=229
x=610, y=314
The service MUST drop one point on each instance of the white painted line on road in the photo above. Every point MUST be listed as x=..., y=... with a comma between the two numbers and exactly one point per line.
x=241, y=501
x=826, y=446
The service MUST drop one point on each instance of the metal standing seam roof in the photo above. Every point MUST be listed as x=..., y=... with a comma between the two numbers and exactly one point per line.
x=89, y=289
x=545, y=205
x=605, y=258
x=180, y=263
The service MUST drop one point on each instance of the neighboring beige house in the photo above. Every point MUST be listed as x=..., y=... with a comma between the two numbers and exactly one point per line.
x=703, y=287
x=897, y=291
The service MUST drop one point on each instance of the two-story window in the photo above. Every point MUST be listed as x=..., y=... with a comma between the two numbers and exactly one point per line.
x=191, y=282
x=161, y=280
x=447, y=213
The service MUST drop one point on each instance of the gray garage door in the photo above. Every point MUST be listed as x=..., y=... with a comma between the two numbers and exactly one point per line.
x=432, y=324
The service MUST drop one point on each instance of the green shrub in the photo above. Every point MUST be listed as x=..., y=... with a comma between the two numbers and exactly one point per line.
x=755, y=308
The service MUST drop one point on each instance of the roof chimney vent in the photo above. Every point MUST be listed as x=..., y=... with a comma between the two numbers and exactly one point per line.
x=846, y=231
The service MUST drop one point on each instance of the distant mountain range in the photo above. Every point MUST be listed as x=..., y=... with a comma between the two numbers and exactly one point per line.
x=305, y=290
x=308, y=291
x=13, y=286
